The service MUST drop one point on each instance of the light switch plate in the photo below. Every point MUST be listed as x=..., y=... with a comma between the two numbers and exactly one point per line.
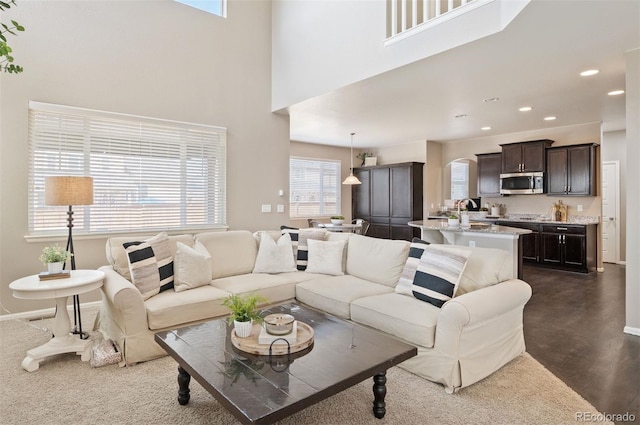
x=266, y=208
x=280, y=208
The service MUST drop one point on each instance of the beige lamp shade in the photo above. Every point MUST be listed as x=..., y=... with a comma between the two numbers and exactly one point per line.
x=68, y=190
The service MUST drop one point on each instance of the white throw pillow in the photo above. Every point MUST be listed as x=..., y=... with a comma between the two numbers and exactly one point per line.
x=274, y=257
x=192, y=266
x=325, y=257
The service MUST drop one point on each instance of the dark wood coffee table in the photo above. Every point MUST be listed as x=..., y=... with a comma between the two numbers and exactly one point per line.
x=263, y=390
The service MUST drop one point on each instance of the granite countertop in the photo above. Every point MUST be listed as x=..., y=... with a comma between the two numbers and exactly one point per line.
x=474, y=227
x=528, y=218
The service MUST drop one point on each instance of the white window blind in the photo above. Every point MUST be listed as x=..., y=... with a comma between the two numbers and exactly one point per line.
x=149, y=174
x=459, y=180
x=314, y=187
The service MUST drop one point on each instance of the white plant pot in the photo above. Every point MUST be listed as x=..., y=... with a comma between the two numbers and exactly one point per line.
x=453, y=222
x=243, y=329
x=55, y=267
x=337, y=222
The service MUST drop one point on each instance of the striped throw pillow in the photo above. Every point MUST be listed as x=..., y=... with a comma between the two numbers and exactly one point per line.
x=151, y=264
x=405, y=282
x=438, y=274
x=299, y=238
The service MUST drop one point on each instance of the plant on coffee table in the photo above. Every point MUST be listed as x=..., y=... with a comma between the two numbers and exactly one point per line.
x=244, y=310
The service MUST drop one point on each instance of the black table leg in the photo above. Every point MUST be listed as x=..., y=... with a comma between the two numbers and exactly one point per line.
x=183, y=384
x=379, y=393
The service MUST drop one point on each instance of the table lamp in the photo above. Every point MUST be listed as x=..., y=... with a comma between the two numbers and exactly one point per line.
x=70, y=190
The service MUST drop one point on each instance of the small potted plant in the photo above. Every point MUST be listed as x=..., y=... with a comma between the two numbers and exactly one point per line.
x=453, y=220
x=482, y=212
x=54, y=258
x=244, y=311
x=337, y=219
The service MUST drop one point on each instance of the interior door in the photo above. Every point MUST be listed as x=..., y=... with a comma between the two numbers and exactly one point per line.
x=610, y=211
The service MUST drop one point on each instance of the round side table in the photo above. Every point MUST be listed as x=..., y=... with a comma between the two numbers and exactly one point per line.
x=32, y=288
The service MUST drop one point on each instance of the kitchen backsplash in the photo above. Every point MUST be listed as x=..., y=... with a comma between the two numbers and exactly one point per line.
x=541, y=204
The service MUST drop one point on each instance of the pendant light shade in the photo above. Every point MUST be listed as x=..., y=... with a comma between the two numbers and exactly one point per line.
x=351, y=179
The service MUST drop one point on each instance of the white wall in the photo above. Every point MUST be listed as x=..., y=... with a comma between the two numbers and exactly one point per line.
x=158, y=59
x=633, y=194
x=347, y=40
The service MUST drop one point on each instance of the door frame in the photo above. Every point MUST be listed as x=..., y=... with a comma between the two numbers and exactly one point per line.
x=616, y=165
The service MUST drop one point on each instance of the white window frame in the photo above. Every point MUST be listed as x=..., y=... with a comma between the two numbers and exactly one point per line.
x=316, y=186
x=459, y=179
x=149, y=174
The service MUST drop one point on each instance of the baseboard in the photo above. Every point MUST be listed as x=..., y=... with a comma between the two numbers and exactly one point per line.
x=632, y=331
x=44, y=313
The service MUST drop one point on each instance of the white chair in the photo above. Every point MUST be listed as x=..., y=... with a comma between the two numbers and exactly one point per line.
x=362, y=226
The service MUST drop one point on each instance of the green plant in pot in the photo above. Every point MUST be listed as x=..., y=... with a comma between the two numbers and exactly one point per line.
x=244, y=311
x=453, y=220
x=54, y=257
x=337, y=219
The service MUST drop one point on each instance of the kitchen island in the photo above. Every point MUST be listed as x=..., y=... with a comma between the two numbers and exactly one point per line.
x=479, y=234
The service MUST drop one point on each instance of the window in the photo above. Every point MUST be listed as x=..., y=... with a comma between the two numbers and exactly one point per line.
x=216, y=7
x=148, y=174
x=314, y=187
x=459, y=180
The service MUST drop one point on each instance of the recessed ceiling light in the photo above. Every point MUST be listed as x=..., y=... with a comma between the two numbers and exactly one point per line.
x=461, y=116
x=589, y=72
x=485, y=128
x=615, y=92
x=491, y=99
x=549, y=118
x=525, y=109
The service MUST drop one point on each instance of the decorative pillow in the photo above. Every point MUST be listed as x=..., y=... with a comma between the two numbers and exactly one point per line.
x=416, y=249
x=151, y=264
x=192, y=266
x=299, y=238
x=274, y=257
x=438, y=274
x=325, y=257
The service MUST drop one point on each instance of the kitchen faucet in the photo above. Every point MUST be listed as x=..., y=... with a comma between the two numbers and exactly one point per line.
x=465, y=204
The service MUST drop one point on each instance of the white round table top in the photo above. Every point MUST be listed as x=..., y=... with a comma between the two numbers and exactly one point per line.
x=80, y=281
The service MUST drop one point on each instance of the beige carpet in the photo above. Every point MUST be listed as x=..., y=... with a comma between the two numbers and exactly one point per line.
x=67, y=391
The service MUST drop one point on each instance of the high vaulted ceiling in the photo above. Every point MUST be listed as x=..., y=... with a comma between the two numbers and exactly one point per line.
x=535, y=61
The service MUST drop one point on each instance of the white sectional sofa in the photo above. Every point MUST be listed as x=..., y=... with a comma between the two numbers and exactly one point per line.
x=467, y=339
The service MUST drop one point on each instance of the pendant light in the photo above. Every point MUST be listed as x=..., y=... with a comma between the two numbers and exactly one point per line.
x=351, y=179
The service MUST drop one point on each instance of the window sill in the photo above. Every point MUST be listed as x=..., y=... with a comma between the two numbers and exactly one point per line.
x=57, y=237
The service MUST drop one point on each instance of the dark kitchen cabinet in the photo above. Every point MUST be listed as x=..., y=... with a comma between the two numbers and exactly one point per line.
x=524, y=157
x=489, y=169
x=569, y=247
x=530, y=241
x=389, y=197
x=571, y=170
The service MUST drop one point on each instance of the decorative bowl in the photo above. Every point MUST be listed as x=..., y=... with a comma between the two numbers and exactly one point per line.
x=337, y=222
x=279, y=324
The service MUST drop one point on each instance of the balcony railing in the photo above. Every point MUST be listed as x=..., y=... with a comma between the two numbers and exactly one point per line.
x=405, y=17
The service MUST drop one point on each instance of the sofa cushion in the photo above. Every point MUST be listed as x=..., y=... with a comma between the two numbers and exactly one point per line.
x=334, y=294
x=377, y=260
x=172, y=309
x=232, y=253
x=485, y=267
x=407, y=318
x=150, y=264
x=192, y=267
x=409, y=270
x=299, y=238
x=325, y=257
x=274, y=287
x=438, y=274
x=274, y=257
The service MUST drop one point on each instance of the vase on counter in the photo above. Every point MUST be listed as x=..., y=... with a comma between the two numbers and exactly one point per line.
x=453, y=222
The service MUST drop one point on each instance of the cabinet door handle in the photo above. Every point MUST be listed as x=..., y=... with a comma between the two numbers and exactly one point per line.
x=561, y=228
x=569, y=189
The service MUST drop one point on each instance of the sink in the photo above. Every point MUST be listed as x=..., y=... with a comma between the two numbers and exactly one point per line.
x=477, y=226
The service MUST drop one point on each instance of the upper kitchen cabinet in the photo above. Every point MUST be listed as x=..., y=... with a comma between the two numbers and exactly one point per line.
x=489, y=168
x=524, y=157
x=571, y=170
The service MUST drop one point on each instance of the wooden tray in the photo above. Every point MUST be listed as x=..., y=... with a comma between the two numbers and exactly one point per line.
x=304, y=339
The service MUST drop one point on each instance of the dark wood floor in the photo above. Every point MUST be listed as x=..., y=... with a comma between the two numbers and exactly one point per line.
x=573, y=326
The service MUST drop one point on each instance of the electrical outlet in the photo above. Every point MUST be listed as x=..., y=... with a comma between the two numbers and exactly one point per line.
x=579, y=207
x=472, y=244
x=280, y=208
x=266, y=208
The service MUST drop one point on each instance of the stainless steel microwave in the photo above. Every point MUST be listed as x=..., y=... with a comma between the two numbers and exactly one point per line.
x=522, y=183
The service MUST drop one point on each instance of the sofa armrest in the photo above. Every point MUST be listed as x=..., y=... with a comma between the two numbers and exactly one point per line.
x=473, y=310
x=123, y=304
